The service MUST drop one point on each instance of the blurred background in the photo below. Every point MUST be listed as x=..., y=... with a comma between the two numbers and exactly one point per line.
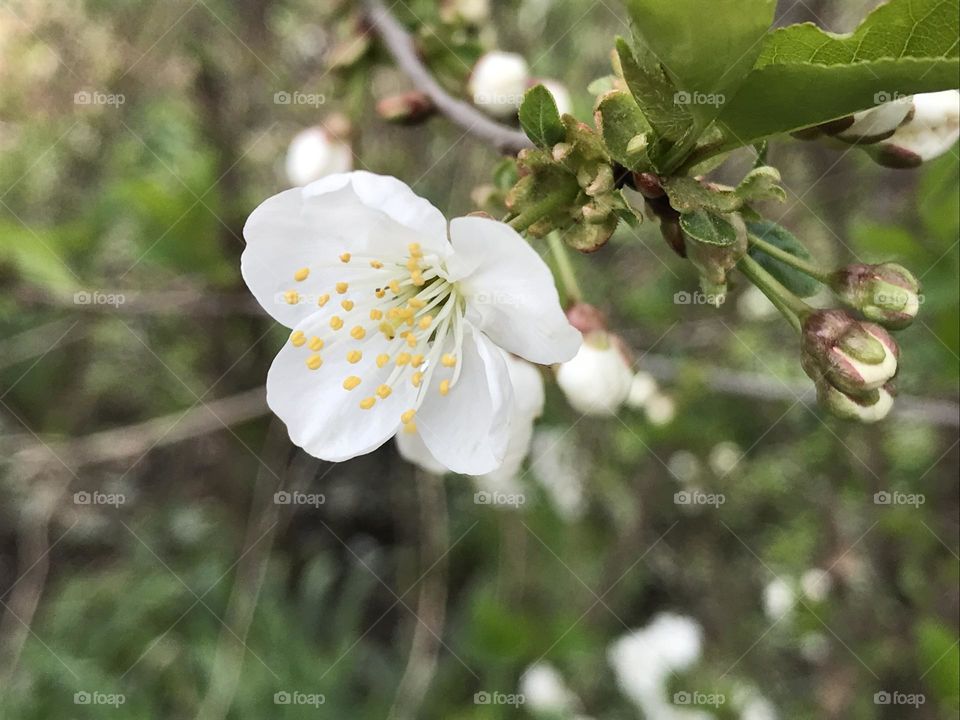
x=147, y=568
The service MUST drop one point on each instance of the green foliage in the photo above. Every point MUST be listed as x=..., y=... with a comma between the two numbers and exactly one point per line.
x=620, y=120
x=539, y=117
x=797, y=282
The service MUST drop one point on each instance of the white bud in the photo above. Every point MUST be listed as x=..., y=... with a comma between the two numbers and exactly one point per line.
x=879, y=121
x=642, y=388
x=816, y=584
x=934, y=128
x=724, y=457
x=778, y=599
x=545, y=691
x=315, y=153
x=842, y=405
x=661, y=410
x=597, y=381
x=498, y=82
x=561, y=96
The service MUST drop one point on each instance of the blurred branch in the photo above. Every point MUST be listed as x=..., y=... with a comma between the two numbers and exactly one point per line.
x=400, y=46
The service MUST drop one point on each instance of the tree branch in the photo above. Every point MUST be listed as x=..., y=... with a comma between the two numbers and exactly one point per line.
x=400, y=46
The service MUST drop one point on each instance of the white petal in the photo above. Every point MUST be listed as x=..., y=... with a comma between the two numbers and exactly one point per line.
x=468, y=430
x=359, y=213
x=935, y=126
x=321, y=416
x=527, y=382
x=414, y=450
x=510, y=291
x=878, y=121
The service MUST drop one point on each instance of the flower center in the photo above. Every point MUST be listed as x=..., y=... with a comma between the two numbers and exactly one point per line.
x=408, y=302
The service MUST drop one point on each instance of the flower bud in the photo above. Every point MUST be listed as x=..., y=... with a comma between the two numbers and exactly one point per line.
x=472, y=12
x=407, y=108
x=877, y=123
x=597, y=380
x=498, y=82
x=319, y=151
x=931, y=132
x=886, y=294
x=869, y=407
x=851, y=356
x=586, y=318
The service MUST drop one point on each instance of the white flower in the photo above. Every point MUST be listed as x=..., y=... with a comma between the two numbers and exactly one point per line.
x=779, y=599
x=816, y=584
x=396, y=322
x=528, y=399
x=315, y=153
x=560, y=467
x=498, y=82
x=934, y=127
x=545, y=691
x=878, y=122
x=597, y=381
x=561, y=96
x=642, y=388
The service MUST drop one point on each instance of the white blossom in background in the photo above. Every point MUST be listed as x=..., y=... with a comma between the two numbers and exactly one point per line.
x=815, y=647
x=397, y=322
x=498, y=82
x=545, y=691
x=933, y=129
x=724, y=457
x=660, y=409
x=816, y=584
x=685, y=466
x=317, y=152
x=779, y=599
x=597, y=381
x=642, y=388
x=560, y=468
x=752, y=705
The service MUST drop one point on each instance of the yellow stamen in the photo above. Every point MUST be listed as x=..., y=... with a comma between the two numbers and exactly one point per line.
x=387, y=329
x=384, y=391
x=376, y=314
x=314, y=362
x=444, y=387
x=336, y=323
x=395, y=286
x=368, y=403
x=448, y=360
x=408, y=416
x=358, y=333
x=426, y=321
x=417, y=378
x=347, y=305
x=412, y=264
x=411, y=340
x=417, y=303
x=415, y=250
x=342, y=287
x=410, y=428
x=403, y=358
x=292, y=297
x=394, y=313
x=301, y=274
x=351, y=382
x=345, y=258
x=298, y=338
x=316, y=343
x=376, y=264
x=417, y=278
x=416, y=360
x=354, y=356
x=382, y=360
x=380, y=292
x=323, y=300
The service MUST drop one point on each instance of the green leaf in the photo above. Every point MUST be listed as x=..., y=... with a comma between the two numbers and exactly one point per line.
x=654, y=92
x=794, y=280
x=540, y=118
x=624, y=129
x=805, y=76
x=705, y=48
x=688, y=194
x=761, y=183
x=709, y=227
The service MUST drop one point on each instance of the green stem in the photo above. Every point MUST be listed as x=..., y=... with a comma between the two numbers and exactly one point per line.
x=807, y=268
x=537, y=211
x=568, y=278
x=792, y=307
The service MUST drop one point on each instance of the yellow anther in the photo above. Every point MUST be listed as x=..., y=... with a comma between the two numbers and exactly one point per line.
x=354, y=356
x=314, y=362
x=376, y=264
x=444, y=387
x=408, y=416
x=410, y=428
x=417, y=278
x=336, y=323
x=347, y=305
x=416, y=360
x=387, y=329
x=417, y=378
x=426, y=321
x=448, y=360
x=382, y=360
x=403, y=358
x=394, y=313
x=411, y=340
x=417, y=303
x=345, y=258
x=298, y=339
x=342, y=287
x=323, y=300
x=292, y=297
x=380, y=292
x=301, y=274
x=407, y=313
x=412, y=264
x=351, y=382
x=376, y=314
x=384, y=391
x=395, y=286
x=368, y=403
x=415, y=250
x=358, y=333
x=316, y=343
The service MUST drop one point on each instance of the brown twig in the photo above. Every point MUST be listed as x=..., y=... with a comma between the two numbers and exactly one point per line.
x=400, y=46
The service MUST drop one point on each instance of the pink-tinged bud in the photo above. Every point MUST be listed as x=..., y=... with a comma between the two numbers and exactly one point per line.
x=498, y=83
x=932, y=130
x=887, y=294
x=319, y=151
x=869, y=407
x=408, y=108
x=854, y=357
x=586, y=318
x=597, y=380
